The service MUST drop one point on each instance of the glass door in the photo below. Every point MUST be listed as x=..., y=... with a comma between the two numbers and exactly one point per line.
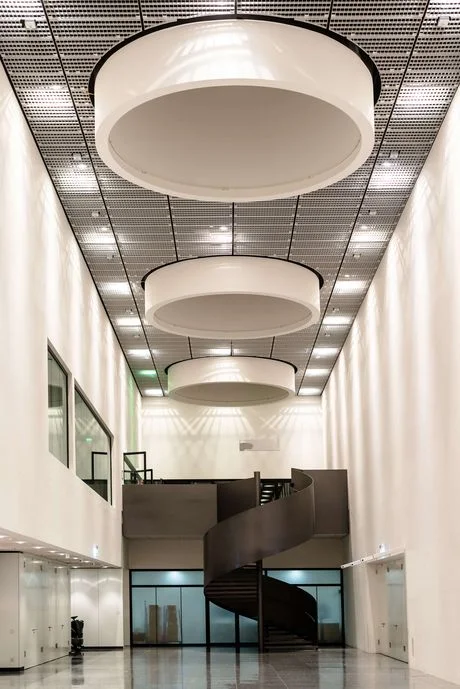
x=397, y=619
x=169, y=626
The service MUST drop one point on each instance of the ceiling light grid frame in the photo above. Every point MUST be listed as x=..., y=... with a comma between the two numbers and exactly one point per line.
x=68, y=177
x=141, y=218
x=393, y=176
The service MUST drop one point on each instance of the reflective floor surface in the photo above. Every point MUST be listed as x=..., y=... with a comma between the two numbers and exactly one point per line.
x=189, y=668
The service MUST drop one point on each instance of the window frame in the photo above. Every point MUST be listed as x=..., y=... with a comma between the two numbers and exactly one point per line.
x=51, y=352
x=77, y=389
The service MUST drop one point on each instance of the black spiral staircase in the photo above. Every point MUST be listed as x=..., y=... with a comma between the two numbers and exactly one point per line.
x=257, y=519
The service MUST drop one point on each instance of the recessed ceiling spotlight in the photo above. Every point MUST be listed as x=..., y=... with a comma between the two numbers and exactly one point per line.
x=104, y=228
x=372, y=213
x=322, y=129
x=20, y=542
x=350, y=286
x=29, y=24
x=76, y=157
x=149, y=372
x=153, y=392
x=443, y=21
x=356, y=256
x=394, y=155
x=127, y=321
x=37, y=547
x=387, y=163
x=139, y=353
x=51, y=551
x=337, y=320
x=368, y=237
x=95, y=214
x=327, y=334
x=220, y=237
x=115, y=288
x=97, y=238
x=87, y=562
x=110, y=257
x=335, y=309
x=82, y=166
x=320, y=352
x=309, y=391
x=223, y=227
x=3, y=536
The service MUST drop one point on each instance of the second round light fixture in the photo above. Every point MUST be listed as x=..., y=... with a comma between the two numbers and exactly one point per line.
x=232, y=297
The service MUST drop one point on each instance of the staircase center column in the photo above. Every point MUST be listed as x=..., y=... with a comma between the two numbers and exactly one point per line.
x=260, y=600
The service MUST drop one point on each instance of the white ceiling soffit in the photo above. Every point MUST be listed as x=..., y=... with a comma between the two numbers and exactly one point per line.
x=125, y=231
x=234, y=109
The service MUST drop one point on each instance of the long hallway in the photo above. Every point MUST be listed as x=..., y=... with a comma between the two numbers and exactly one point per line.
x=222, y=668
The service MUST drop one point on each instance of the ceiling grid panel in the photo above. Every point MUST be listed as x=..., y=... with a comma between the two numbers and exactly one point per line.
x=125, y=231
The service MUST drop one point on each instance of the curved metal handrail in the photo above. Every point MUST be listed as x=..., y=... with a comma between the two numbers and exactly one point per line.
x=261, y=531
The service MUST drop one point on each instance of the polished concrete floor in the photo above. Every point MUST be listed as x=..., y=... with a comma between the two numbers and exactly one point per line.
x=191, y=668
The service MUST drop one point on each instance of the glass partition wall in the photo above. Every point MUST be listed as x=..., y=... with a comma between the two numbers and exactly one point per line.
x=92, y=449
x=168, y=607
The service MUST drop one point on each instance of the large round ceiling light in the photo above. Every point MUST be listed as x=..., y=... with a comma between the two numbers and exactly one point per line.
x=230, y=381
x=232, y=297
x=240, y=108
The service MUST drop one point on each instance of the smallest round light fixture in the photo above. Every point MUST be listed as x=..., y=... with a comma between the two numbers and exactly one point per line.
x=230, y=381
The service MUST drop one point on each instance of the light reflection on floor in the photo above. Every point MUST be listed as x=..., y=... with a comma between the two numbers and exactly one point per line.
x=222, y=668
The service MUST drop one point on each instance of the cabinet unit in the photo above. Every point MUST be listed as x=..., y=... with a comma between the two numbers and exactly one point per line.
x=44, y=611
x=35, y=611
x=97, y=599
x=389, y=603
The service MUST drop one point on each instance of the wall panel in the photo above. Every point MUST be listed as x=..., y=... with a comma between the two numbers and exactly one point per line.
x=47, y=294
x=392, y=416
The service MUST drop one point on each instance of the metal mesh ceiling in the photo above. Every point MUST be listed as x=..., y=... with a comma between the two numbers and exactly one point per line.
x=49, y=49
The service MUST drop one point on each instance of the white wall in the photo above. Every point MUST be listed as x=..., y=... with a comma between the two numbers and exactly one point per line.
x=188, y=441
x=46, y=293
x=97, y=599
x=392, y=415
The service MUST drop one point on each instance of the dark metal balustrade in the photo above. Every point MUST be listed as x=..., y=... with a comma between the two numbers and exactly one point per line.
x=257, y=519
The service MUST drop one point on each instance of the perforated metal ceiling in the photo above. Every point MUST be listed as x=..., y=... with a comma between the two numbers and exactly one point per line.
x=124, y=231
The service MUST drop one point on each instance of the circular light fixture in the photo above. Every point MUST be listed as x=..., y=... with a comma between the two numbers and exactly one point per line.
x=230, y=381
x=232, y=297
x=235, y=108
